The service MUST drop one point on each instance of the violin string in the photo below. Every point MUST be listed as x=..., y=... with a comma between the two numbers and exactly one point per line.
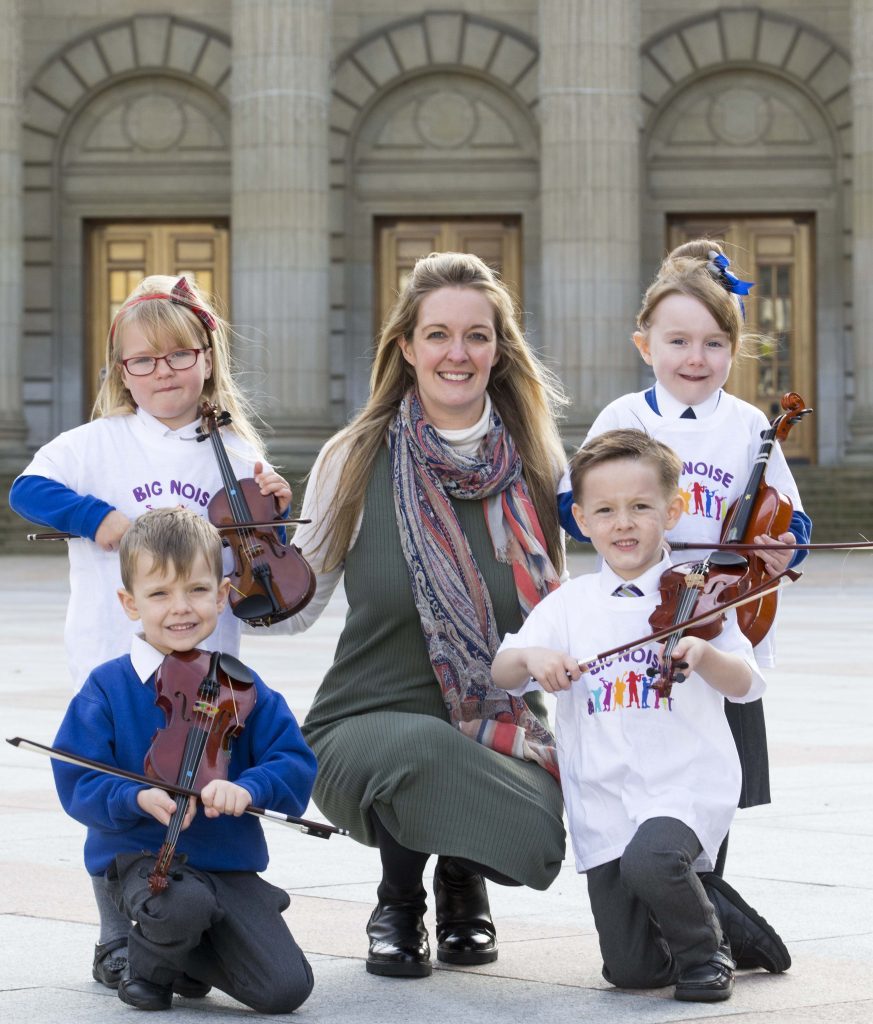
x=237, y=502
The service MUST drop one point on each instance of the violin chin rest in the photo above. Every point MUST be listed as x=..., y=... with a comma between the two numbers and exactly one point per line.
x=233, y=667
x=256, y=606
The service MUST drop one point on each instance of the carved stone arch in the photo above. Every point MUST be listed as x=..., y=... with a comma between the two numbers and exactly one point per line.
x=754, y=39
x=440, y=94
x=405, y=49
x=74, y=74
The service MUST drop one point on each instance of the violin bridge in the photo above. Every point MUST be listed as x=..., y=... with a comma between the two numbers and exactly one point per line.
x=695, y=579
x=203, y=707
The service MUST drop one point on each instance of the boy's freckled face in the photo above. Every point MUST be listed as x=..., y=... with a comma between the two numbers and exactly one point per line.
x=177, y=611
x=688, y=352
x=625, y=512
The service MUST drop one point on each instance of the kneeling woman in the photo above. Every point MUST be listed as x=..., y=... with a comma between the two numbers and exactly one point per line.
x=438, y=504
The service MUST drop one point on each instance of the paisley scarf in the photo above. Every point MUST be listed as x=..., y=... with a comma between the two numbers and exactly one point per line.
x=457, y=616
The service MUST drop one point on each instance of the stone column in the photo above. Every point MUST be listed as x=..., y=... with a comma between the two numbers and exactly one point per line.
x=589, y=107
x=860, y=448
x=13, y=431
x=279, y=216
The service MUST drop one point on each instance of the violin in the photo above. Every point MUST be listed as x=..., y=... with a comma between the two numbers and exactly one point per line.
x=763, y=510
x=691, y=590
x=270, y=581
x=699, y=613
x=206, y=698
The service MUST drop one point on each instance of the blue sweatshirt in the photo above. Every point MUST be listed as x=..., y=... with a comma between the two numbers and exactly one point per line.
x=113, y=719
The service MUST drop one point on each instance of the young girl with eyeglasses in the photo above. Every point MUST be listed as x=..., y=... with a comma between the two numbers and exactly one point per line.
x=167, y=352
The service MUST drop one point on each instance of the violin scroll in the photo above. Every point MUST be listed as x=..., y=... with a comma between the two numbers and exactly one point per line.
x=794, y=410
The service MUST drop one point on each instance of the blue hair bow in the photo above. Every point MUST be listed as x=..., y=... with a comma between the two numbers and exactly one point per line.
x=718, y=264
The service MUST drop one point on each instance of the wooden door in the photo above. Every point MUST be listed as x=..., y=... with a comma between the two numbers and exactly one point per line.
x=401, y=242
x=120, y=255
x=777, y=254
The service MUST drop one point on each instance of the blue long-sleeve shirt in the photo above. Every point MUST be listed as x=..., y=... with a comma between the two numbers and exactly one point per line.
x=113, y=719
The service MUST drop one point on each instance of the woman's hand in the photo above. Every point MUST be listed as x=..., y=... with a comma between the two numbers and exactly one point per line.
x=223, y=797
x=271, y=483
x=161, y=806
x=110, y=531
x=776, y=561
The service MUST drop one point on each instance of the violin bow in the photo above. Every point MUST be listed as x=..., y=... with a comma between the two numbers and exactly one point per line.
x=775, y=583
x=842, y=545
x=51, y=535
x=317, y=829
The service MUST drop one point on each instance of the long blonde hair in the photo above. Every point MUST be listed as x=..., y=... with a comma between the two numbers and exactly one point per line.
x=526, y=395
x=688, y=270
x=159, y=317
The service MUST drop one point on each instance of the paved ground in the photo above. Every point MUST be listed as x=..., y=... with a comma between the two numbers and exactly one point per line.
x=804, y=861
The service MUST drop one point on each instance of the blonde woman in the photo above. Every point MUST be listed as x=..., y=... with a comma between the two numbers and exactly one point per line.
x=437, y=504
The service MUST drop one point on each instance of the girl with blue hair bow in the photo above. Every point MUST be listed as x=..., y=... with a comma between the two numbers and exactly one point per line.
x=689, y=330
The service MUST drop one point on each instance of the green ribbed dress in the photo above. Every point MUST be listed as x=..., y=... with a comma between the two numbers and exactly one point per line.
x=381, y=732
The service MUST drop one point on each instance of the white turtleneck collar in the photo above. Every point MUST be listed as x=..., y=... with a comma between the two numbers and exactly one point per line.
x=467, y=439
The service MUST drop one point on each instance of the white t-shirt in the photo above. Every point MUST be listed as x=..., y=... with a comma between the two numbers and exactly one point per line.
x=625, y=754
x=717, y=453
x=135, y=463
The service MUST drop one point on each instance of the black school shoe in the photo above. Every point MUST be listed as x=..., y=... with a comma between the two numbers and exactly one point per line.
x=144, y=995
x=710, y=982
x=190, y=988
x=108, y=969
x=753, y=942
x=398, y=940
x=464, y=929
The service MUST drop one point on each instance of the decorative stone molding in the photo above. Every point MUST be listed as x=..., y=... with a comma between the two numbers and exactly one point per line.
x=739, y=38
x=461, y=42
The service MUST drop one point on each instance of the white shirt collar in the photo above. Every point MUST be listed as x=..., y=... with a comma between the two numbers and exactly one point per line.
x=647, y=582
x=671, y=408
x=154, y=426
x=146, y=660
x=466, y=440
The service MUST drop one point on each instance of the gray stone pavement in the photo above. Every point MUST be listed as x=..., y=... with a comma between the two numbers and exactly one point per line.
x=803, y=861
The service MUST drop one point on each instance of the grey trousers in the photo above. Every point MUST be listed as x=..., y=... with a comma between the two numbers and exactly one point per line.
x=652, y=914
x=223, y=928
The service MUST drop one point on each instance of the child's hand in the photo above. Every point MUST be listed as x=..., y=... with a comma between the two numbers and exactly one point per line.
x=223, y=797
x=109, y=533
x=271, y=483
x=687, y=654
x=553, y=670
x=776, y=561
x=161, y=806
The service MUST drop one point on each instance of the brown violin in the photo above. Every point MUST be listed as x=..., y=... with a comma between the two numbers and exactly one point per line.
x=270, y=580
x=206, y=698
x=691, y=590
x=694, y=599
x=763, y=510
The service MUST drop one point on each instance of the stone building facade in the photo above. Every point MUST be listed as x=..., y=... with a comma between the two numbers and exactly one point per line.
x=313, y=147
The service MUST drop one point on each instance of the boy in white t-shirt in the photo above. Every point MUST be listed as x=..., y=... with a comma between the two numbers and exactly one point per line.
x=650, y=774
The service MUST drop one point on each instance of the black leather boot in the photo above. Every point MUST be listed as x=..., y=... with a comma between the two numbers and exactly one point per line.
x=398, y=938
x=465, y=931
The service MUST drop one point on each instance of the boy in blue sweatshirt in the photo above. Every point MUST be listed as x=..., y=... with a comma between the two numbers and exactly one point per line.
x=218, y=923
